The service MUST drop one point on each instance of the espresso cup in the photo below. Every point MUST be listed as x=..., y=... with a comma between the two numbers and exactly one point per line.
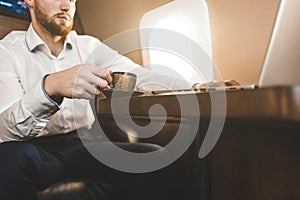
x=123, y=81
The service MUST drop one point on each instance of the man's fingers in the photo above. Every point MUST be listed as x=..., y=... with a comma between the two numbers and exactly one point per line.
x=86, y=91
x=101, y=83
x=106, y=75
x=102, y=73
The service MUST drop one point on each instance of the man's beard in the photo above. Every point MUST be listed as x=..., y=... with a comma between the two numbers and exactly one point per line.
x=50, y=25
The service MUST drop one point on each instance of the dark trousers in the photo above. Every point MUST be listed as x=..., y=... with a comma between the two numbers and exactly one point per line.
x=27, y=167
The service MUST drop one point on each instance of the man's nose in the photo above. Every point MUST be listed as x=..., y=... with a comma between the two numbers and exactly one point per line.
x=65, y=5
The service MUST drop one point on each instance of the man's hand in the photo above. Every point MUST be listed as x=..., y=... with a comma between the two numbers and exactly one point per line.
x=80, y=81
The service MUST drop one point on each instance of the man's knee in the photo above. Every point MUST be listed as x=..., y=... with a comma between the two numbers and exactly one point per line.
x=18, y=158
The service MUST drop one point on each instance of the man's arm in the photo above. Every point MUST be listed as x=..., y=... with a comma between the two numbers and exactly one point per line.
x=20, y=120
x=81, y=81
x=148, y=80
x=22, y=114
x=108, y=58
x=25, y=114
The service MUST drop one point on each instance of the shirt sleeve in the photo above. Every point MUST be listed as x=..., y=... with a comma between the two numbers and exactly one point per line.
x=146, y=79
x=23, y=114
x=104, y=56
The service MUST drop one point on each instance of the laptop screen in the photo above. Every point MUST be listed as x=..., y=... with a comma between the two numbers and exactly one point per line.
x=282, y=61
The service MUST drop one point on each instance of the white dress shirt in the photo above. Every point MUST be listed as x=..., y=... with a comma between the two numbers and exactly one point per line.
x=26, y=111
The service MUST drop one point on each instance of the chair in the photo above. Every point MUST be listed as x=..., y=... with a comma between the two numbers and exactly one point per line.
x=75, y=190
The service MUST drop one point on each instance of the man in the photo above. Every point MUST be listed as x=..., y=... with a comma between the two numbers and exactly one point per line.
x=47, y=75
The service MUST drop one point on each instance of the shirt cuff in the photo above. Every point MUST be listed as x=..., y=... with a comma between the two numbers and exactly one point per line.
x=57, y=103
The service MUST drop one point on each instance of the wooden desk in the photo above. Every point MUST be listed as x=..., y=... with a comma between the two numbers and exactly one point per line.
x=257, y=154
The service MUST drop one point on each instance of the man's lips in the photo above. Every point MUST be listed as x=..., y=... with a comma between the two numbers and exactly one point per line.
x=64, y=17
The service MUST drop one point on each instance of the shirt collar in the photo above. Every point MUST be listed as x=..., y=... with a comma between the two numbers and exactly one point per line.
x=33, y=40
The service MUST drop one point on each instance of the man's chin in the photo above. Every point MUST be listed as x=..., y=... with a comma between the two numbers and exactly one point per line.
x=63, y=26
x=60, y=30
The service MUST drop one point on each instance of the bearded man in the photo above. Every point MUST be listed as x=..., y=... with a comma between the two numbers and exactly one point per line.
x=47, y=76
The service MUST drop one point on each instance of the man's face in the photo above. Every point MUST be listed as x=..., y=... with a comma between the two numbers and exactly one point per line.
x=56, y=16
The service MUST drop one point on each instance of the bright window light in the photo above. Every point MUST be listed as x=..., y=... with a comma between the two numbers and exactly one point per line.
x=190, y=19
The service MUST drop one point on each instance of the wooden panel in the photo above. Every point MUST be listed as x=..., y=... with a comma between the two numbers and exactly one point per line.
x=8, y=24
x=257, y=160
